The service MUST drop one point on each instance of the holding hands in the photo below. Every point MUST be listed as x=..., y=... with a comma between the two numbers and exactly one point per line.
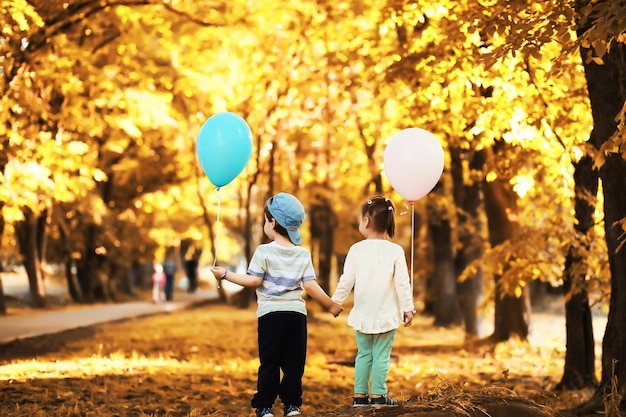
x=312, y=288
x=335, y=309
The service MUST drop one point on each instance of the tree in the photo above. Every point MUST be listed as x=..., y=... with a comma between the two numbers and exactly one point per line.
x=512, y=302
x=600, y=26
x=467, y=192
x=31, y=139
x=446, y=307
x=604, y=60
x=105, y=99
x=579, y=368
x=73, y=92
x=467, y=99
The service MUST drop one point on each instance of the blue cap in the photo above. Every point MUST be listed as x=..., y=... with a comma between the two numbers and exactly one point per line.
x=288, y=211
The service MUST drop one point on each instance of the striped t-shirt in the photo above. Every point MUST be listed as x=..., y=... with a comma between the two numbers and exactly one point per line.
x=283, y=269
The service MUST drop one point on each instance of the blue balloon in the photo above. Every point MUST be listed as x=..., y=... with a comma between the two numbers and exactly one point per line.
x=224, y=147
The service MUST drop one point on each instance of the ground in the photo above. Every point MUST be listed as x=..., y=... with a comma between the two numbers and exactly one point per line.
x=203, y=362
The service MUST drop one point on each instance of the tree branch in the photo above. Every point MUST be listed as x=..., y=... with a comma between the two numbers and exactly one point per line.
x=542, y=98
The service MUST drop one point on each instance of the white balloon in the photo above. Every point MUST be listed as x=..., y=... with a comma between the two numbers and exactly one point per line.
x=413, y=162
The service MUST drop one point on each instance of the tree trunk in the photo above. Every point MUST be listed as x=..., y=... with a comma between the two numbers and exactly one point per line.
x=205, y=212
x=43, y=221
x=446, y=308
x=322, y=226
x=579, y=369
x=512, y=313
x=3, y=305
x=613, y=175
x=606, y=84
x=246, y=295
x=73, y=286
x=27, y=233
x=468, y=200
x=86, y=267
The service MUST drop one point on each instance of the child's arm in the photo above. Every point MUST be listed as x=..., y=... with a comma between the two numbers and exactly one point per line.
x=244, y=280
x=346, y=280
x=316, y=292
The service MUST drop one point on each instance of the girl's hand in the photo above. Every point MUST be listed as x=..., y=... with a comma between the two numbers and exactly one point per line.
x=335, y=309
x=408, y=318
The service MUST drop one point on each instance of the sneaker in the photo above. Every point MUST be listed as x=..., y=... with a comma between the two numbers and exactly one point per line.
x=383, y=400
x=360, y=402
x=292, y=410
x=264, y=412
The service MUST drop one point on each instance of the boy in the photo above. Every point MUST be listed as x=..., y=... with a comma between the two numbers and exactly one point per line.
x=279, y=270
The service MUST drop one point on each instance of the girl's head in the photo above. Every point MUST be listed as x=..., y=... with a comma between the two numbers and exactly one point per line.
x=380, y=212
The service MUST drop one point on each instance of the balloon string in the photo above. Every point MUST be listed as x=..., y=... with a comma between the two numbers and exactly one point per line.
x=412, y=247
x=217, y=226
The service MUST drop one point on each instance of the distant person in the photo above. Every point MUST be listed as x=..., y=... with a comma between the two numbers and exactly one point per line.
x=169, y=267
x=279, y=270
x=158, y=284
x=376, y=269
x=191, y=270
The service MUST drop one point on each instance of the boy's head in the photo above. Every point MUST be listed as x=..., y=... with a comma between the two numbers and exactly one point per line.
x=288, y=213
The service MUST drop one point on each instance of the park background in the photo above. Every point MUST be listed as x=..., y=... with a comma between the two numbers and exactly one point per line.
x=102, y=102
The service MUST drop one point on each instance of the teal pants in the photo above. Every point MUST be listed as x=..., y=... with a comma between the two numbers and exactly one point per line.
x=372, y=362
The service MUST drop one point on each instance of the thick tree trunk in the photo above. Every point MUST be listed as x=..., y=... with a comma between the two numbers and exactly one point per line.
x=512, y=313
x=205, y=213
x=73, y=287
x=86, y=267
x=613, y=174
x=468, y=200
x=28, y=238
x=606, y=84
x=322, y=227
x=512, y=316
x=43, y=221
x=446, y=308
x=3, y=305
x=579, y=369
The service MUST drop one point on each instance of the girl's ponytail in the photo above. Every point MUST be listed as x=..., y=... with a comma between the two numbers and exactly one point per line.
x=381, y=211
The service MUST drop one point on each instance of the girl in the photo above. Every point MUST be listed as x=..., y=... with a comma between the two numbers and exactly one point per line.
x=376, y=269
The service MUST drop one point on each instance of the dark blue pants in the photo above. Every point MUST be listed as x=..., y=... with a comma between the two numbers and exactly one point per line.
x=169, y=287
x=282, y=346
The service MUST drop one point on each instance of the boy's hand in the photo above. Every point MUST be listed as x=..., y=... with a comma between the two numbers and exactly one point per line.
x=335, y=309
x=218, y=272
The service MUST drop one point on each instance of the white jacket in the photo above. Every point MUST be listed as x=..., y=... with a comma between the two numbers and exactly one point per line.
x=377, y=271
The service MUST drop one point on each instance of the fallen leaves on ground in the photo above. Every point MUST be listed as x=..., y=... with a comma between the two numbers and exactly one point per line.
x=203, y=362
